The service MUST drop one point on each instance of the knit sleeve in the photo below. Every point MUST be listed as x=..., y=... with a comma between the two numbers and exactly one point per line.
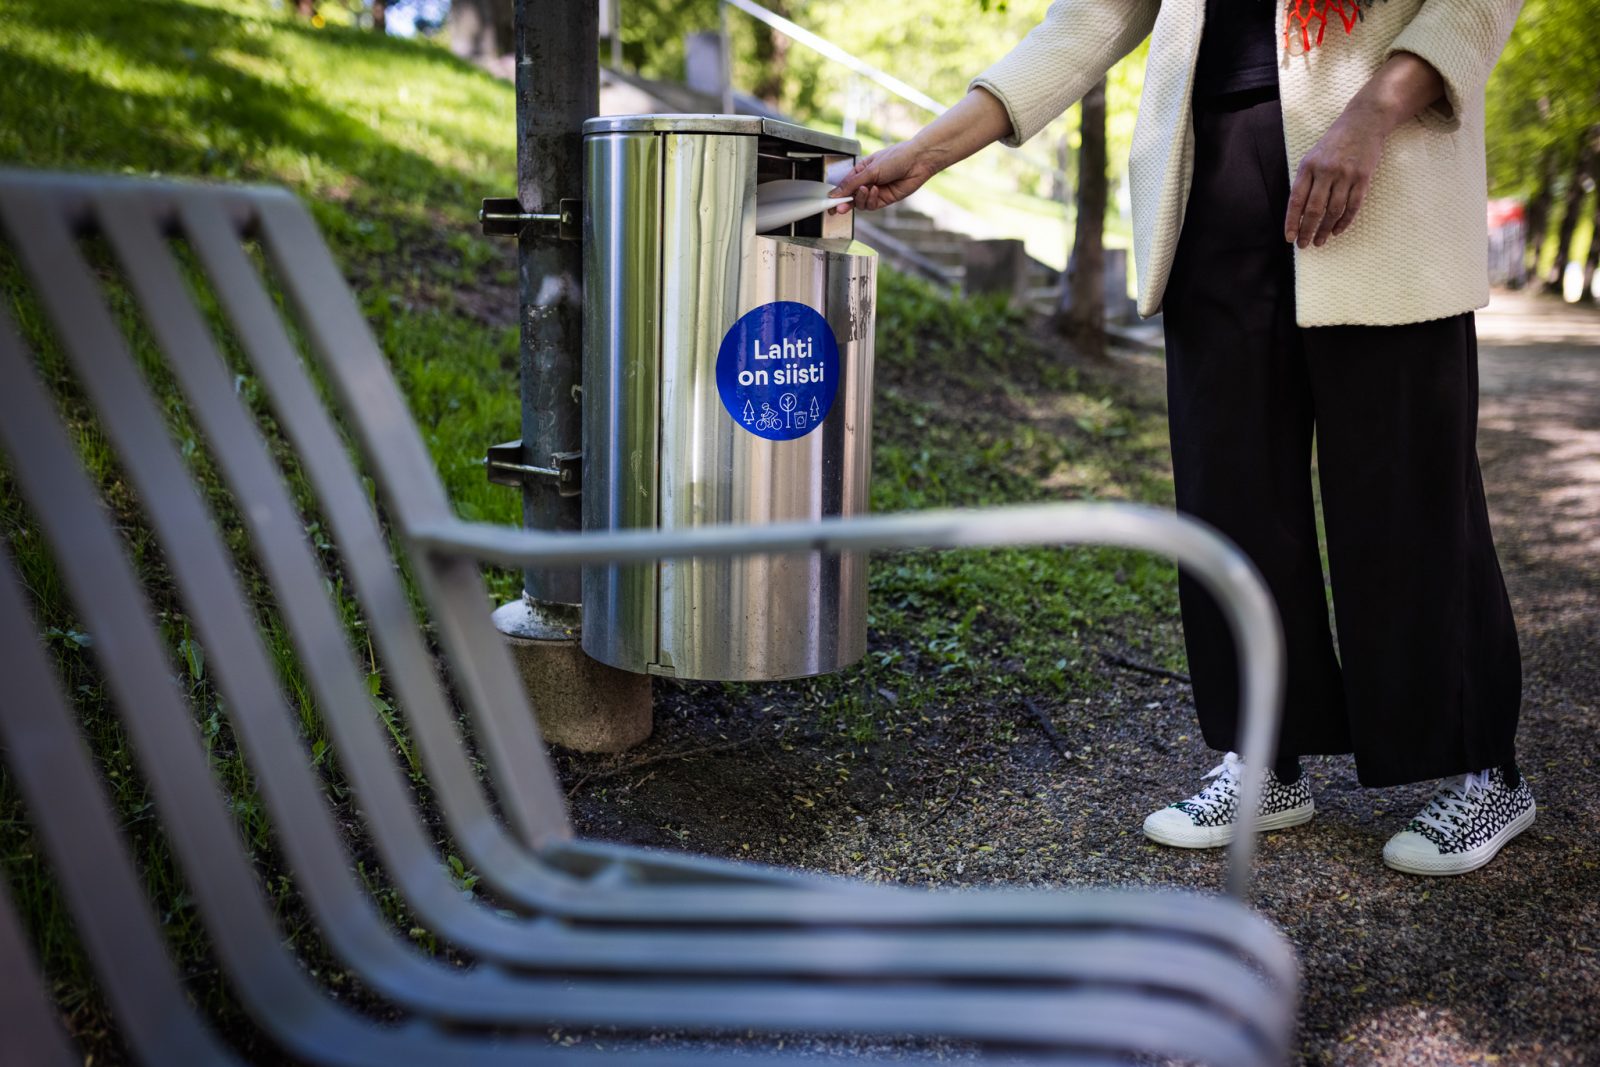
x=1462, y=40
x=1062, y=58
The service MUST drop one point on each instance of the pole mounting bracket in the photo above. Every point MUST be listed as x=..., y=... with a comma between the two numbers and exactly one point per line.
x=506, y=464
x=503, y=216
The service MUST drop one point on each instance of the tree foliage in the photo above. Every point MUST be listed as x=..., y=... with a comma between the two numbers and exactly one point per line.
x=653, y=33
x=1545, y=94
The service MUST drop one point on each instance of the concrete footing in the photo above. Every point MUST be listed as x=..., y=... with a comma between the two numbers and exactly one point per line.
x=582, y=704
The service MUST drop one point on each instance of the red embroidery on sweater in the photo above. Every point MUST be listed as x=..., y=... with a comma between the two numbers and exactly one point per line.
x=1298, y=15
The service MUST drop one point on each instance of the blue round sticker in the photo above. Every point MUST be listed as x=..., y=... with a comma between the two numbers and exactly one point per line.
x=778, y=370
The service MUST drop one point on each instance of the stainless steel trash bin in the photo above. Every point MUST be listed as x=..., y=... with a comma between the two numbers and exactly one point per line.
x=727, y=379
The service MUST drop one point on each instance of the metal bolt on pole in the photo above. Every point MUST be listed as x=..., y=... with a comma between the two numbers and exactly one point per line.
x=581, y=704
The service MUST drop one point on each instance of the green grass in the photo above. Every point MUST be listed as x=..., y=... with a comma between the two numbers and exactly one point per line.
x=392, y=144
x=975, y=408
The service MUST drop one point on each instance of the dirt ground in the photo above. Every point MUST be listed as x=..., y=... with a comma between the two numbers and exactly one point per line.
x=1500, y=966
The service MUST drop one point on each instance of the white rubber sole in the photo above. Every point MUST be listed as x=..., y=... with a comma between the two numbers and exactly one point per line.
x=1459, y=862
x=1188, y=835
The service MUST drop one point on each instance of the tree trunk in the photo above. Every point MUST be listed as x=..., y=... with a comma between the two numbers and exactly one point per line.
x=772, y=57
x=480, y=29
x=380, y=16
x=1569, y=219
x=1059, y=190
x=1592, y=258
x=1537, y=216
x=1081, y=316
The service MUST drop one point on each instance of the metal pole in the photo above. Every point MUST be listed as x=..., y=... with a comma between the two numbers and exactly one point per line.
x=558, y=87
x=726, y=39
x=582, y=704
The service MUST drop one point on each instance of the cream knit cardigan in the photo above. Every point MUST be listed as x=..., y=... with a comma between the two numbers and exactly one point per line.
x=1418, y=248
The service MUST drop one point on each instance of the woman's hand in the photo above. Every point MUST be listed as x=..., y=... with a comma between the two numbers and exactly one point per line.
x=1334, y=176
x=886, y=177
x=894, y=173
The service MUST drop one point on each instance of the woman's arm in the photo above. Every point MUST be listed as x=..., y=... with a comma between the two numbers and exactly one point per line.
x=1463, y=40
x=1334, y=176
x=1437, y=65
x=1058, y=61
x=894, y=173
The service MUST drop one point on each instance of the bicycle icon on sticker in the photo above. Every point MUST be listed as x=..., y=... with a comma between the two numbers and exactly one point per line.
x=769, y=419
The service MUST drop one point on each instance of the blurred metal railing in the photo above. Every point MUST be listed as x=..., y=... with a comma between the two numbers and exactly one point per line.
x=857, y=66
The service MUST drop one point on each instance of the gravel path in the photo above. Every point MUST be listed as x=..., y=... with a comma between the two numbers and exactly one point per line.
x=1501, y=966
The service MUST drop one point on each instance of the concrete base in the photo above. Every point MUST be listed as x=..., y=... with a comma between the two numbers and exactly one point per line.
x=582, y=704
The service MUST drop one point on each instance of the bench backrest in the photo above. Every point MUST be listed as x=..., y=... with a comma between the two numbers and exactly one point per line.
x=169, y=440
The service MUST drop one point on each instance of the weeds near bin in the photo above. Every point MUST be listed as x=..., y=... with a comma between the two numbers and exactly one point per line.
x=976, y=408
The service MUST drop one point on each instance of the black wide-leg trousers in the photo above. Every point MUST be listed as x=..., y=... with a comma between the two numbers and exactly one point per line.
x=1427, y=681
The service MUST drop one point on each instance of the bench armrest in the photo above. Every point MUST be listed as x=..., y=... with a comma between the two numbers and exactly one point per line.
x=1214, y=560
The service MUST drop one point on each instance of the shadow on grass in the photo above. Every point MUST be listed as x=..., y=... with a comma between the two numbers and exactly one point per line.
x=222, y=121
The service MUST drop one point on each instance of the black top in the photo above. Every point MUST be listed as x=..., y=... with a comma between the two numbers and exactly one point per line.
x=1238, y=47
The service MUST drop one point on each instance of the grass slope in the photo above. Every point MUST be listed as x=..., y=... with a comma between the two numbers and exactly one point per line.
x=392, y=144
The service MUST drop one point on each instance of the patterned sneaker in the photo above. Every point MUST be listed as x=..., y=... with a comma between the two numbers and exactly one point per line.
x=1463, y=826
x=1206, y=819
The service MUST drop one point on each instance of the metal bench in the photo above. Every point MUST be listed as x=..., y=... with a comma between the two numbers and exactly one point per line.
x=581, y=933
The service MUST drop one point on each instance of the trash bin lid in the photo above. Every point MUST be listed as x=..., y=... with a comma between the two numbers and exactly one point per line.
x=748, y=125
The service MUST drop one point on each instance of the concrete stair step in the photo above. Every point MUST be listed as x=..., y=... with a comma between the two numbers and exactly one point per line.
x=898, y=252
x=906, y=218
x=915, y=234
x=946, y=250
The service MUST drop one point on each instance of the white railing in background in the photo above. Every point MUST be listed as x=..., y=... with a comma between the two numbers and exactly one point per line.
x=856, y=65
x=824, y=47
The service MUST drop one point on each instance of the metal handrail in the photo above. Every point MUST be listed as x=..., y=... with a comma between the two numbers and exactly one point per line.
x=821, y=45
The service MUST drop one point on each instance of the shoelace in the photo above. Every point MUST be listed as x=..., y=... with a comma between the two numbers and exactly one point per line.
x=1231, y=767
x=1453, y=797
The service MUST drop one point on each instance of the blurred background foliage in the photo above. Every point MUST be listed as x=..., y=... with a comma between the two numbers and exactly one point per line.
x=1543, y=137
x=1542, y=121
